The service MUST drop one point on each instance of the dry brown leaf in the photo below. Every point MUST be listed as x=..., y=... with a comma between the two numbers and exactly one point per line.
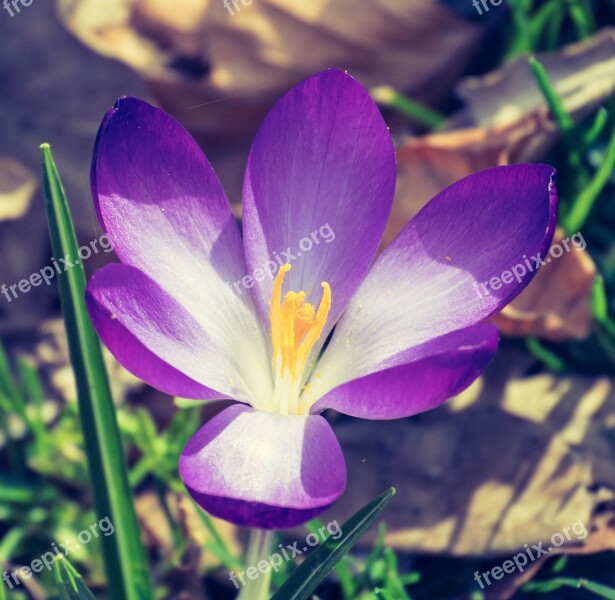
x=508, y=586
x=514, y=126
x=58, y=97
x=511, y=461
x=557, y=304
x=219, y=73
x=17, y=187
x=583, y=75
x=426, y=165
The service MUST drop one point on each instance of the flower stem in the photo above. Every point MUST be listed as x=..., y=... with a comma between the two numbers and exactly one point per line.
x=259, y=547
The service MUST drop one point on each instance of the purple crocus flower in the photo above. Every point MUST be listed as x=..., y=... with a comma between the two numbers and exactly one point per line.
x=196, y=312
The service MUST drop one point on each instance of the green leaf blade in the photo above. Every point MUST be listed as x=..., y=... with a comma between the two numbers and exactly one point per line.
x=125, y=558
x=305, y=579
x=68, y=581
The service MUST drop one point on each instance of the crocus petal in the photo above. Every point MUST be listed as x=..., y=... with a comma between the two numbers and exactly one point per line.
x=448, y=366
x=266, y=470
x=318, y=190
x=122, y=299
x=426, y=282
x=140, y=361
x=162, y=205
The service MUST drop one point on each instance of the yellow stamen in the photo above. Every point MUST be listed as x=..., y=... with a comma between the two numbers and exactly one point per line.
x=296, y=326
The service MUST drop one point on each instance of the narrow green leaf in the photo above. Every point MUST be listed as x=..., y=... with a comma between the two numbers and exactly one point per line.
x=555, y=103
x=69, y=582
x=7, y=385
x=413, y=109
x=543, y=16
x=22, y=491
x=217, y=546
x=411, y=578
x=542, y=353
x=189, y=403
x=596, y=128
x=341, y=569
x=10, y=542
x=393, y=583
x=32, y=389
x=584, y=202
x=374, y=555
x=305, y=579
x=599, y=300
x=125, y=559
x=582, y=17
x=7, y=405
x=560, y=564
x=555, y=584
x=522, y=40
x=554, y=30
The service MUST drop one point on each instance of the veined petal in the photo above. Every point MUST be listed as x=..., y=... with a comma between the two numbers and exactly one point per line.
x=318, y=190
x=426, y=282
x=261, y=469
x=161, y=203
x=140, y=361
x=123, y=300
x=416, y=381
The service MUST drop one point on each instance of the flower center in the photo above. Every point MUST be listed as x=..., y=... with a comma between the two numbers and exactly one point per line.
x=296, y=326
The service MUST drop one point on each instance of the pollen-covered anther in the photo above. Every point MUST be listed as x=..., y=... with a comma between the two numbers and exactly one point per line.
x=296, y=326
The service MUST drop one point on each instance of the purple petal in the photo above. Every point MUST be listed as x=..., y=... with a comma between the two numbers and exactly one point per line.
x=140, y=361
x=425, y=283
x=322, y=164
x=445, y=367
x=122, y=301
x=261, y=469
x=162, y=205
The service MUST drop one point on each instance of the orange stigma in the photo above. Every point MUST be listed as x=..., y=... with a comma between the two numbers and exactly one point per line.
x=296, y=326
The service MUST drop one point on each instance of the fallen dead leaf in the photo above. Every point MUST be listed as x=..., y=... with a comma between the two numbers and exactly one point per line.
x=506, y=121
x=17, y=187
x=58, y=97
x=511, y=461
x=583, y=75
x=557, y=304
x=218, y=73
x=428, y=164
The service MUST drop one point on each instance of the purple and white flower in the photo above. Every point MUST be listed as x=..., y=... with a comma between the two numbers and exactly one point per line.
x=402, y=334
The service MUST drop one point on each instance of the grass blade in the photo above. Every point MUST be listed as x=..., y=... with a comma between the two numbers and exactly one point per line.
x=125, y=559
x=585, y=200
x=600, y=590
x=542, y=353
x=387, y=96
x=69, y=582
x=305, y=579
x=341, y=569
x=556, y=105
